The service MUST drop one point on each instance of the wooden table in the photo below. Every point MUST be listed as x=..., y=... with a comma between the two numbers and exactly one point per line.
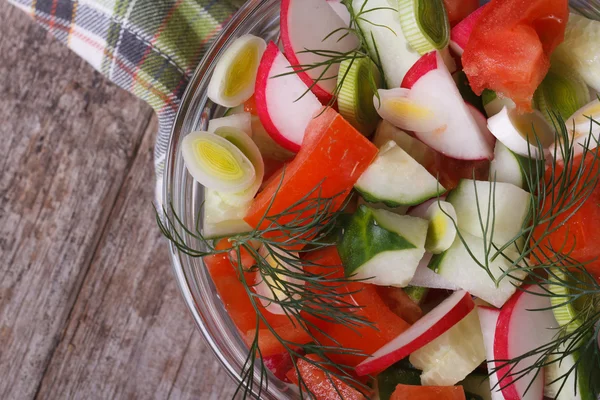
x=89, y=308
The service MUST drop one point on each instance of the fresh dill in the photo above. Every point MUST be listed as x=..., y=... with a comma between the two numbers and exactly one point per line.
x=306, y=291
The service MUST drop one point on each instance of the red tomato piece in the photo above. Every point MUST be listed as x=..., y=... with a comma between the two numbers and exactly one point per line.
x=318, y=383
x=578, y=234
x=365, y=339
x=333, y=155
x=241, y=311
x=407, y=392
x=400, y=303
x=250, y=106
x=510, y=46
x=459, y=9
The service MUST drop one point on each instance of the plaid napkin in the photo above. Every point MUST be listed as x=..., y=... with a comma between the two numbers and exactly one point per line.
x=148, y=47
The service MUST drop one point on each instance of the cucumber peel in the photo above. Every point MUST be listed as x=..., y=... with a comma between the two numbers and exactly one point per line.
x=509, y=167
x=360, y=79
x=398, y=373
x=381, y=246
x=424, y=24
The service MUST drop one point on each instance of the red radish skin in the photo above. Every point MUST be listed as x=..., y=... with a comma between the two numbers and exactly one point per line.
x=279, y=365
x=287, y=132
x=459, y=35
x=522, y=327
x=431, y=326
x=426, y=63
x=310, y=22
x=488, y=318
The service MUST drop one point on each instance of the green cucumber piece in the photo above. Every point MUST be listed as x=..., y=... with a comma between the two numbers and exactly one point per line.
x=493, y=104
x=424, y=24
x=416, y=293
x=395, y=375
x=383, y=247
x=509, y=167
x=477, y=385
x=508, y=207
x=360, y=78
x=452, y=356
x=221, y=219
x=396, y=179
x=562, y=91
x=579, y=386
x=457, y=265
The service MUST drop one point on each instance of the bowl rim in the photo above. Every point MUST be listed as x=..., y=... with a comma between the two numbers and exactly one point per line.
x=203, y=67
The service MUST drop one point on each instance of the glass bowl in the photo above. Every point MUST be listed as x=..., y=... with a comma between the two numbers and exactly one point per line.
x=261, y=18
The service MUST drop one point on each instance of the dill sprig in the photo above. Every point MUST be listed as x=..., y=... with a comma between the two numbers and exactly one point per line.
x=558, y=192
x=305, y=296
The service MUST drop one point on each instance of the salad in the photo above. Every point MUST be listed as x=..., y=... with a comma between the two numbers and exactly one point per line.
x=401, y=200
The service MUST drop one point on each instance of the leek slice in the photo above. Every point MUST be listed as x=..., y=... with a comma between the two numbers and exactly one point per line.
x=493, y=104
x=565, y=311
x=217, y=163
x=234, y=76
x=243, y=142
x=359, y=77
x=583, y=128
x=562, y=91
x=442, y=230
x=424, y=24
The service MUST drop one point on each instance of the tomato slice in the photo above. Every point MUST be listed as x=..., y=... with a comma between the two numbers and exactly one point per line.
x=241, y=311
x=510, y=46
x=578, y=234
x=332, y=158
x=319, y=384
x=459, y=9
x=365, y=339
x=400, y=303
x=407, y=392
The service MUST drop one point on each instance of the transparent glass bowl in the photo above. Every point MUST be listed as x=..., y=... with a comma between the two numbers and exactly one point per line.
x=261, y=18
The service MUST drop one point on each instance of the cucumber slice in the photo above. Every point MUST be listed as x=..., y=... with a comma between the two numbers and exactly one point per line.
x=442, y=231
x=493, y=104
x=396, y=179
x=579, y=386
x=416, y=293
x=401, y=210
x=241, y=121
x=512, y=168
x=508, y=207
x=453, y=355
x=562, y=91
x=359, y=77
x=243, y=142
x=395, y=375
x=383, y=247
x=457, y=265
x=477, y=384
x=221, y=219
x=418, y=150
x=380, y=23
x=424, y=24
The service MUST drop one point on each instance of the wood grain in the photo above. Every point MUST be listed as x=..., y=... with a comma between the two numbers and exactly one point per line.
x=129, y=335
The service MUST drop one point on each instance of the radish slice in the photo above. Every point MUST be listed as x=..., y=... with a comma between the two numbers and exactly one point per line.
x=234, y=77
x=481, y=121
x=439, y=320
x=460, y=34
x=266, y=286
x=397, y=107
x=438, y=90
x=420, y=211
x=488, y=318
x=216, y=163
x=514, y=337
x=521, y=132
x=284, y=104
x=425, y=277
x=341, y=10
x=428, y=62
x=308, y=25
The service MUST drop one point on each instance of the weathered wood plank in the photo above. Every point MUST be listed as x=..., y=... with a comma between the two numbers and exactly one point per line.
x=130, y=335
x=68, y=138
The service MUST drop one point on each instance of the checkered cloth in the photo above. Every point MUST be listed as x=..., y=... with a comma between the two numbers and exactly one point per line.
x=148, y=47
